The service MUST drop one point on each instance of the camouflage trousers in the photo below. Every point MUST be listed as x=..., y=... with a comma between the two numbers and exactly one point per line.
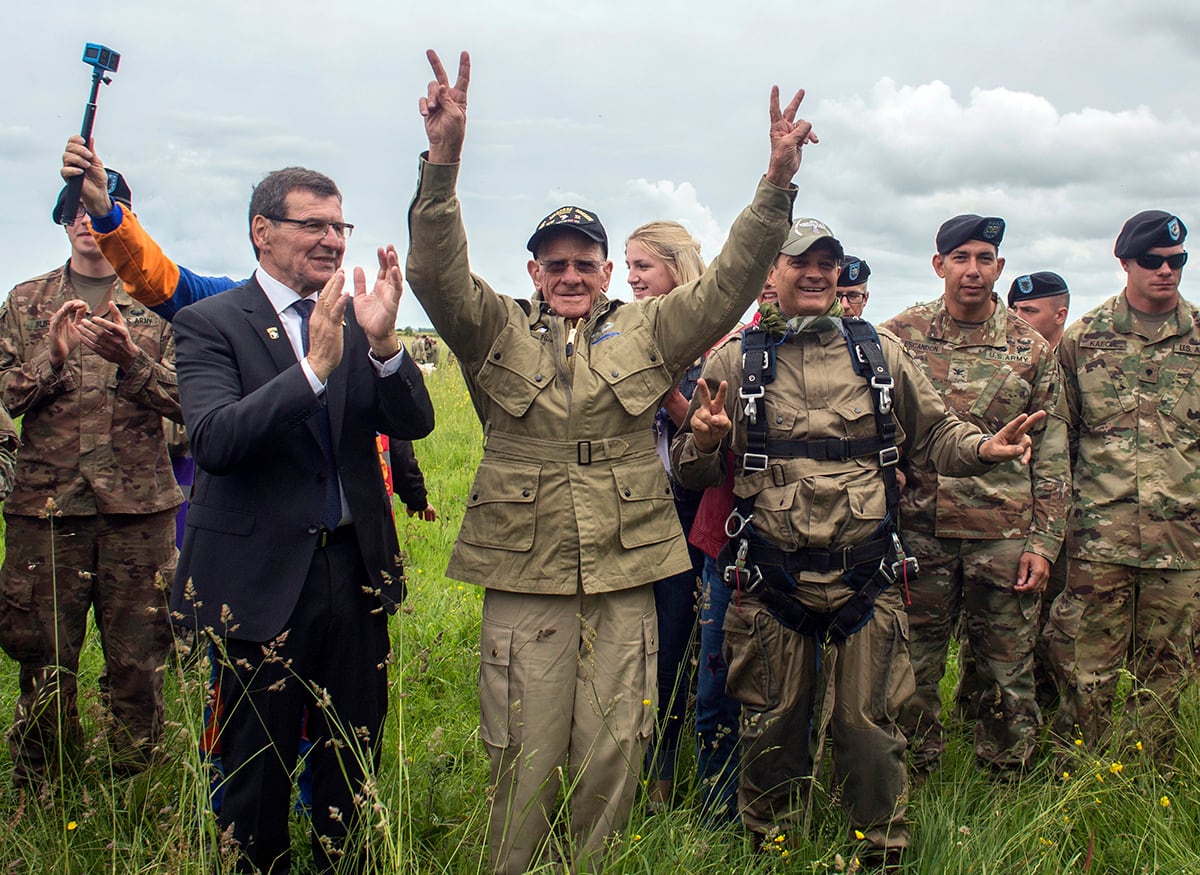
x=1116, y=615
x=969, y=687
x=786, y=683
x=118, y=564
x=974, y=577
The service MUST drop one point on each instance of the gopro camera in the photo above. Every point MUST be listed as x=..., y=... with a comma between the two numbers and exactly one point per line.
x=101, y=57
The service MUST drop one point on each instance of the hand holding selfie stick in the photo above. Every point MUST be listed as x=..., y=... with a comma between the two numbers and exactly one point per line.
x=103, y=60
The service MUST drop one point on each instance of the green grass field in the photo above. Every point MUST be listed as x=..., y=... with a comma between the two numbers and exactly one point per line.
x=1113, y=814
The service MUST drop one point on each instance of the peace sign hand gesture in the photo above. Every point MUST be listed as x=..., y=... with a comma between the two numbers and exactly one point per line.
x=445, y=110
x=710, y=423
x=788, y=136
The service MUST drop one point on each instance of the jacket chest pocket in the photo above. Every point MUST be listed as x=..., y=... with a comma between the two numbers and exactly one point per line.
x=633, y=368
x=1180, y=401
x=516, y=369
x=1005, y=395
x=1104, y=393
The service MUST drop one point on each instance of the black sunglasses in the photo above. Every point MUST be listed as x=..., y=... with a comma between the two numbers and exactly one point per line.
x=1154, y=262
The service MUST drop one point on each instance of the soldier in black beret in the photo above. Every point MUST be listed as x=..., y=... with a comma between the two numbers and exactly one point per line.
x=852, y=285
x=962, y=229
x=1128, y=377
x=1042, y=300
x=118, y=190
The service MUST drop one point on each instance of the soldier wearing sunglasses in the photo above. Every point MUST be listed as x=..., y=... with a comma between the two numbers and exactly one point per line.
x=1131, y=372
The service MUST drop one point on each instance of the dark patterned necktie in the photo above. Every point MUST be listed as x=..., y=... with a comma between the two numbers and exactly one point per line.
x=332, y=515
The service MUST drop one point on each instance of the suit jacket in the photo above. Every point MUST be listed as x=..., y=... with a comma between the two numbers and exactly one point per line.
x=408, y=482
x=256, y=505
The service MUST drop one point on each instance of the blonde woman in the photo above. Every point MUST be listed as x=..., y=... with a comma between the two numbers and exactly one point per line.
x=660, y=257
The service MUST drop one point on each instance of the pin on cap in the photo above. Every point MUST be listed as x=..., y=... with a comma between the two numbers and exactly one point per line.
x=574, y=219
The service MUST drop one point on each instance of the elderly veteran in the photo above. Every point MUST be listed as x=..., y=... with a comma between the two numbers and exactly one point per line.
x=570, y=517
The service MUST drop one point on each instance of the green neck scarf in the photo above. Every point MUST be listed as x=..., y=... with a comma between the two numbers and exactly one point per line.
x=772, y=320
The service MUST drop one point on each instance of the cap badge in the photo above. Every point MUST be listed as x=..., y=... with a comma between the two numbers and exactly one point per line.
x=1025, y=284
x=852, y=270
x=1173, y=229
x=992, y=229
x=811, y=225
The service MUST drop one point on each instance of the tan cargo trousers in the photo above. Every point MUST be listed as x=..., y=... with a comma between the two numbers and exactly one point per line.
x=774, y=673
x=564, y=681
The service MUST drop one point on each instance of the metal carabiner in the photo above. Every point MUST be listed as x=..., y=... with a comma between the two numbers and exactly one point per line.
x=736, y=519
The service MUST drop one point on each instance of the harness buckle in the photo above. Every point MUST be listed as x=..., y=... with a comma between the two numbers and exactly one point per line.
x=755, y=462
x=905, y=567
x=889, y=456
x=732, y=572
x=751, y=396
x=884, y=385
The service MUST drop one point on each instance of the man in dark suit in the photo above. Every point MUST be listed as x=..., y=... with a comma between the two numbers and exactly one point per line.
x=290, y=552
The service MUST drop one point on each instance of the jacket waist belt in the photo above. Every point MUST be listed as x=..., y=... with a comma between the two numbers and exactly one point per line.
x=581, y=452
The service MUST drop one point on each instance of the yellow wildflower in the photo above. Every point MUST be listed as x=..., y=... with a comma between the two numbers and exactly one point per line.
x=646, y=702
x=1079, y=742
x=1066, y=776
x=73, y=825
x=858, y=834
x=1165, y=802
x=1138, y=745
x=1116, y=767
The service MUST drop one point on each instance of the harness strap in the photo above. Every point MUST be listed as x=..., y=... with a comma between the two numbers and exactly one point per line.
x=819, y=561
x=837, y=449
x=866, y=354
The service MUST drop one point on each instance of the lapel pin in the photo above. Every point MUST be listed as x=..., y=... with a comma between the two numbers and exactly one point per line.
x=273, y=333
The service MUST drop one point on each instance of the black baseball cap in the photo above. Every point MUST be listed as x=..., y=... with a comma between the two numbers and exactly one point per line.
x=957, y=231
x=573, y=219
x=1043, y=284
x=1146, y=230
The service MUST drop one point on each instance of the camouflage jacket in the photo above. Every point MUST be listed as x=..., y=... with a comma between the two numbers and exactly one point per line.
x=1133, y=405
x=825, y=503
x=92, y=435
x=570, y=492
x=989, y=375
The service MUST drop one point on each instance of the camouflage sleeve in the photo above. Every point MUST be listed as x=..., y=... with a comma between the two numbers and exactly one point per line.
x=9, y=442
x=1072, y=406
x=691, y=468
x=26, y=376
x=1048, y=465
x=934, y=436
x=153, y=384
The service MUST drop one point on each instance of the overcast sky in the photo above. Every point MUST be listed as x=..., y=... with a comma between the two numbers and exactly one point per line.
x=1064, y=118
